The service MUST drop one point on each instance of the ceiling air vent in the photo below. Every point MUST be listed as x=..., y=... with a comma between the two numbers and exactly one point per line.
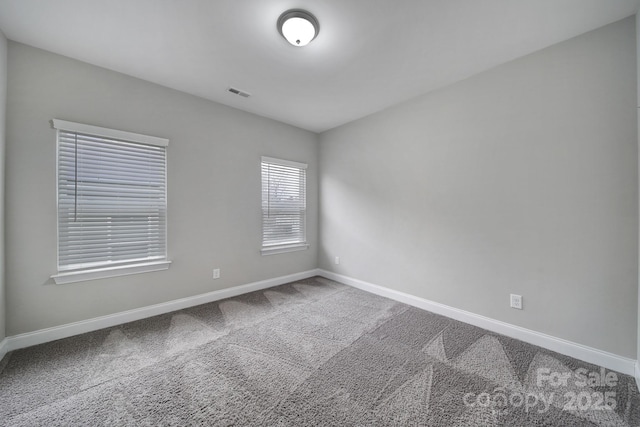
x=239, y=92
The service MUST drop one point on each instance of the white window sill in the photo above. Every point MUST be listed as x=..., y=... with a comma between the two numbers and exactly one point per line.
x=272, y=250
x=101, y=273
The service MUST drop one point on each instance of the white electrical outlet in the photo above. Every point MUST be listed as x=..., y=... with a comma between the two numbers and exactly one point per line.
x=216, y=273
x=516, y=301
x=337, y=260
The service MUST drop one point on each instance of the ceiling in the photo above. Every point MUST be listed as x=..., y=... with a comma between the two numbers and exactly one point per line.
x=369, y=54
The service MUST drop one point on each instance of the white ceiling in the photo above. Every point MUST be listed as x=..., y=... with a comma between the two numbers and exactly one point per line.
x=369, y=55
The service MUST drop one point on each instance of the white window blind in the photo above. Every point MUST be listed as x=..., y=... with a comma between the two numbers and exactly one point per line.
x=112, y=198
x=284, y=205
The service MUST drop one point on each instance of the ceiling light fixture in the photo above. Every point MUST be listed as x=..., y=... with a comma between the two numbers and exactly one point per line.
x=298, y=27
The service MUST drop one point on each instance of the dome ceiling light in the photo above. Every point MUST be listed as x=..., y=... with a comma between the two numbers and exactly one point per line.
x=298, y=27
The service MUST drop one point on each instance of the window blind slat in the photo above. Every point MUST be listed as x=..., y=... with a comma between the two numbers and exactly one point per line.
x=112, y=203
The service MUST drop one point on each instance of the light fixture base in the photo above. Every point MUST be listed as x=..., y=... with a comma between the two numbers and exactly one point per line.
x=300, y=14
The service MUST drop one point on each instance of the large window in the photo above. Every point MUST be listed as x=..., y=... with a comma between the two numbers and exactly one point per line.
x=112, y=202
x=284, y=206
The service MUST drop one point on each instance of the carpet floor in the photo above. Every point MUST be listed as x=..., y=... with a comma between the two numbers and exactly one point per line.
x=312, y=352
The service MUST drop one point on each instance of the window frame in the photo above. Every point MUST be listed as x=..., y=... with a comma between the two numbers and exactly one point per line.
x=273, y=249
x=63, y=275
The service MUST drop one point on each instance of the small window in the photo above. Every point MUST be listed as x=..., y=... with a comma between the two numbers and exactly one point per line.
x=112, y=202
x=284, y=206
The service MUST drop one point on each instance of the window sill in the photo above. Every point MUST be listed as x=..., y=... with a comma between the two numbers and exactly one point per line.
x=101, y=273
x=273, y=250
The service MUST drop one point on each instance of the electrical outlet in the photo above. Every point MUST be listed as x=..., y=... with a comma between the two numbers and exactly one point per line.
x=337, y=260
x=216, y=273
x=516, y=301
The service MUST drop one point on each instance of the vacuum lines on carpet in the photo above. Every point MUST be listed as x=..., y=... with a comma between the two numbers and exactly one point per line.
x=313, y=352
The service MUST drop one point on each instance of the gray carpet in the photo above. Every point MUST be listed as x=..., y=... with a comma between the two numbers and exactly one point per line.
x=313, y=352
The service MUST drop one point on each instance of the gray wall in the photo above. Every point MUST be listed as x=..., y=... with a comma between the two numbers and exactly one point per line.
x=522, y=179
x=213, y=183
x=638, y=124
x=3, y=103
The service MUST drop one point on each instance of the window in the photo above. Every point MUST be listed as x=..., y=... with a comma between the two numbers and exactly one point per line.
x=112, y=202
x=284, y=206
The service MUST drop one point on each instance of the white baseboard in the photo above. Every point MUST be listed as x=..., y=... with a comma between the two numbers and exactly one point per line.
x=637, y=374
x=63, y=331
x=588, y=354
x=4, y=345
